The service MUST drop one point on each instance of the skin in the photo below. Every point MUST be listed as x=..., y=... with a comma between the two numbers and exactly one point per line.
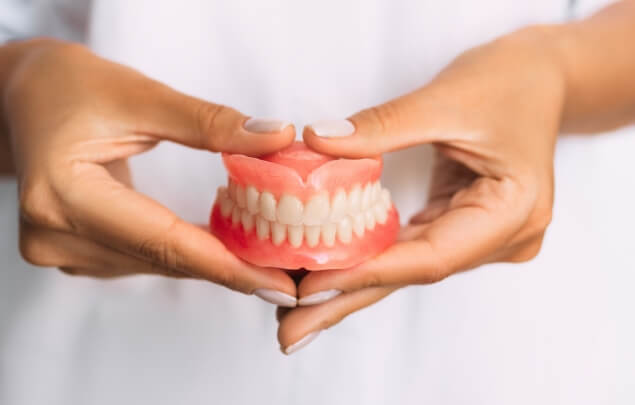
x=493, y=116
x=78, y=210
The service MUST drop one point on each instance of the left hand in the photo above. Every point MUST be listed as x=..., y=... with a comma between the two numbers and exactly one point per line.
x=493, y=116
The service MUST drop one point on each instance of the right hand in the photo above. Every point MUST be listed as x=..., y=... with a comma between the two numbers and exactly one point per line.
x=73, y=120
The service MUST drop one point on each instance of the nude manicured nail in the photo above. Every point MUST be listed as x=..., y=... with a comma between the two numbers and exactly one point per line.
x=301, y=343
x=333, y=129
x=319, y=297
x=276, y=297
x=260, y=125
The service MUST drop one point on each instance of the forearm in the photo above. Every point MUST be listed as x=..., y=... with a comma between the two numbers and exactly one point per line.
x=10, y=56
x=598, y=62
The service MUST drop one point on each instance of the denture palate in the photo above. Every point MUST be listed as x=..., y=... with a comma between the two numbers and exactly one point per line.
x=323, y=217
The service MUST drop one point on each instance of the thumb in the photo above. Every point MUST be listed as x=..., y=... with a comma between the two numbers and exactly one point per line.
x=193, y=122
x=394, y=125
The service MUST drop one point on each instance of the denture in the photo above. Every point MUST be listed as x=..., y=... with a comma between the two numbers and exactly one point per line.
x=297, y=208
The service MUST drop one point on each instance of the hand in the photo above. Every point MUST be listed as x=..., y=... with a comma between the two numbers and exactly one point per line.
x=74, y=119
x=493, y=116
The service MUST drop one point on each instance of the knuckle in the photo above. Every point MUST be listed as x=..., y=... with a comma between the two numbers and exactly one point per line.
x=35, y=250
x=162, y=249
x=383, y=117
x=35, y=202
x=208, y=117
x=529, y=252
x=372, y=279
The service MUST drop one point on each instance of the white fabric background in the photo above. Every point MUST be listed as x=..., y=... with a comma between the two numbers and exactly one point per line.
x=557, y=330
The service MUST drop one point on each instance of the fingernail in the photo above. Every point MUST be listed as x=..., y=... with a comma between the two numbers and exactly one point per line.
x=260, y=125
x=319, y=297
x=300, y=343
x=276, y=297
x=333, y=129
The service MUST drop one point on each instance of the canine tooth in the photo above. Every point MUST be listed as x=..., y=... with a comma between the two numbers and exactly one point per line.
x=278, y=233
x=328, y=233
x=290, y=210
x=262, y=228
x=312, y=235
x=316, y=211
x=366, y=195
x=375, y=194
x=252, y=199
x=359, y=224
x=339, y=205
x=354, y=199
x=380, y=212
x=241, y=199
x=268, y=206
x=345, y=230
x=385, y=198
x=369, y=218
x=296, y=234
x=235, y=215
x=247, y=220
x=231, y=188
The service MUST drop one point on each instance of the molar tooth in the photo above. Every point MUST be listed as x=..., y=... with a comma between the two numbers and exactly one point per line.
x=252, y=199
x=375, y=194
x=278, y=233
x=359, y=224
x=366, y=195
x=225, y=203
x=339, y=206
x=262, y=228
x=385, y=198
x=354, y=199
x=328, y=233
x=235, y=215
x=247, y=220
x=268, y=206
x=380, y=212
x=296, y=234
x=345, y=230
x=316, y=211
x=312, y=235
x=290, y=210
x=369, y=218
x=241, y=199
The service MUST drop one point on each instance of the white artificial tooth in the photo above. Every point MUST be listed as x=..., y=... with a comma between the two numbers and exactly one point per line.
x=328, y=233
x=380, y=212
x=375, y=194
x=339, y=205
x=289, y=210
x=247, y=220
x=226, y=204
x=252, y=199
x=385, y=198
x=312, y=235
x=241, y=199
x=268, y=206
x=235, y=215
x=345, y=230
x=231, y=189
x=278, y=233
x=354, y=199
x=296, y=234
x=369, y=218
x=262, y=228
x=359, y=224
x=316, y=211
x=366, y=194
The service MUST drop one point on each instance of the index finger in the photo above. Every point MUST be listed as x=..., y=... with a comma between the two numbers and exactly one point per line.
x=104, y=210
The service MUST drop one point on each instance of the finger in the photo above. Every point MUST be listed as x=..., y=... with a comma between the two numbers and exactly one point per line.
x=302, y=324
x=473, y=229
x=167, y=114
x=104, y=210
x=394, y=125
x=79, y=256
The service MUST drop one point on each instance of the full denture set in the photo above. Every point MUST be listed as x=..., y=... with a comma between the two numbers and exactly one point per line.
x=300, y=209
